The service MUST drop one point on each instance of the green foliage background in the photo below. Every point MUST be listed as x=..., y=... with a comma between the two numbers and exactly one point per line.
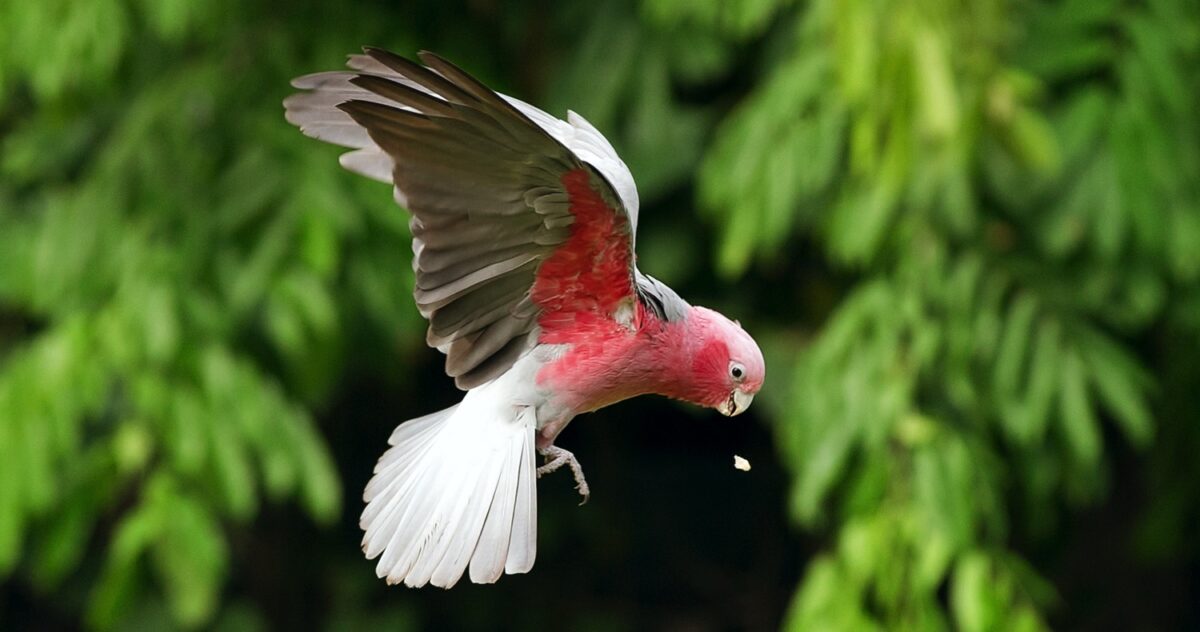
x=967, y=235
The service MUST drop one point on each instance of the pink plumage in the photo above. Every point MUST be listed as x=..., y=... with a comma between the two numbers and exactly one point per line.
x=523, y=237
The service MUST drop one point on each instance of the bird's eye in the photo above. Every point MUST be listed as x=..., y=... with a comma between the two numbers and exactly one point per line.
x=737, y=371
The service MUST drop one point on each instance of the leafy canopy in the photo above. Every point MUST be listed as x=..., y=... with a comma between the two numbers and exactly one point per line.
x=962, y=222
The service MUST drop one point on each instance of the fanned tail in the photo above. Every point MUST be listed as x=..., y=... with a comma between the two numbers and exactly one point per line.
x=457, y=489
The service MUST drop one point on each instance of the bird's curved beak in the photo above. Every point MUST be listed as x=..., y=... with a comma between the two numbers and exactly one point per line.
x=737, y=403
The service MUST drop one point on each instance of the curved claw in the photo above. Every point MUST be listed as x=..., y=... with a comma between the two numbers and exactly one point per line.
x=557, y=457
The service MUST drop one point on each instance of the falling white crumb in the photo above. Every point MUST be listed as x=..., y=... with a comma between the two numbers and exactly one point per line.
x=740, y=463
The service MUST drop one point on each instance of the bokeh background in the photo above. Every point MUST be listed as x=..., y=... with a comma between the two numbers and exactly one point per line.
x=966, y=234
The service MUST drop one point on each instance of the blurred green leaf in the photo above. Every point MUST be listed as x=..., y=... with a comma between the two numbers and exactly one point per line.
x=1120, y=383
x=971, y=595
x=1079, y=423
x=190, y=558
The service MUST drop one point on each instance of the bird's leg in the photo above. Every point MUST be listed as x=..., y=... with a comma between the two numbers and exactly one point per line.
x=557, y=457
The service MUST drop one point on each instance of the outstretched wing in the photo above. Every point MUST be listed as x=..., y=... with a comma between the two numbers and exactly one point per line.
x=522, y=223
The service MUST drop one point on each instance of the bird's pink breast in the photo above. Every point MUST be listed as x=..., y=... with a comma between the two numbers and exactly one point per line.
x=595, y=369
x=579, y=289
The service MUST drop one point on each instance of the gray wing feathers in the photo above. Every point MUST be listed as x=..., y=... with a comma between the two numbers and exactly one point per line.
x=471, y=165
x=316, y=114
x=483, y=183
x=370, y=162
x=660, y=299
x=590, y=146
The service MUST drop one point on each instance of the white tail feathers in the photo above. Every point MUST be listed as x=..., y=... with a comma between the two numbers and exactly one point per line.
x=457, y=489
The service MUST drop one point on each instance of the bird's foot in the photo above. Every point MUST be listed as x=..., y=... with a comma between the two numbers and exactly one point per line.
x=557, y=457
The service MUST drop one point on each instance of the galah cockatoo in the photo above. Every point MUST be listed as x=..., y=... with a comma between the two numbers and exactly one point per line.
x=523, y=246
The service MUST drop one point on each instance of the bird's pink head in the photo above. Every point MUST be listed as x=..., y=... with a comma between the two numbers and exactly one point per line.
x=727, y=365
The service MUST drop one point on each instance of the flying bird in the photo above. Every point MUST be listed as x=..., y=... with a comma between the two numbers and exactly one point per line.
x=523, y=230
